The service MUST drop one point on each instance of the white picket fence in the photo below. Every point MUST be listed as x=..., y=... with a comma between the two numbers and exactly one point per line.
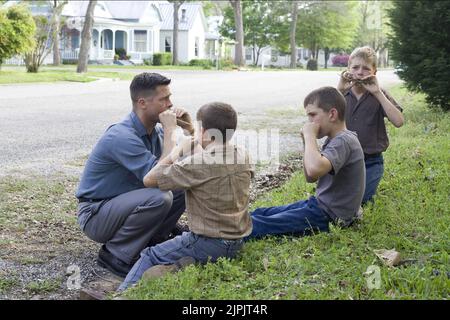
x=65, y=55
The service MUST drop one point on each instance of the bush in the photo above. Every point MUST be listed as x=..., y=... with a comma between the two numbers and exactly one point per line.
x=226, y=64
x=340, y=60
x=122, y=53
x=421, y=52
x=312, y=65
x=147, y=62
x=162, y=59
x=205, y=63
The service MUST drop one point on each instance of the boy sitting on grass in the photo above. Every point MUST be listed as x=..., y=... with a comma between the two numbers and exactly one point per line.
x=338, y=169
x=217, y=179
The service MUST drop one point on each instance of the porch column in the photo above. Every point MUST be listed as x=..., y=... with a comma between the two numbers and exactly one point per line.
x=99, y=44
x=114, y=42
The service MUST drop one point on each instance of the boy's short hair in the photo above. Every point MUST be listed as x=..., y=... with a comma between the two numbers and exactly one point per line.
x=327, y=98
x=144, y=85
x=366, y=53
x=218, y=116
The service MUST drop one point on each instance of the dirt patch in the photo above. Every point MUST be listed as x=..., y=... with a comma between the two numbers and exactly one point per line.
x=44, y=255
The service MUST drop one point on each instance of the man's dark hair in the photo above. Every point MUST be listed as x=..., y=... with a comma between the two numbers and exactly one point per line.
x=218, y=116
x=327, y=98
x=144, y=85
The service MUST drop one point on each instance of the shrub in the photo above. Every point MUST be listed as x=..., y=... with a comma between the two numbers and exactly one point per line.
x=205, y=63
x=340, y=60
x=226, y=64
x=147, y=62
x=162, y=59
x=421, y=52
x=122, y=53
x=312, y=65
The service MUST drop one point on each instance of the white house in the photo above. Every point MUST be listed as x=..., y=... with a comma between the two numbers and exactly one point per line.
x=192, y=34
x=130, y=25
x=272, y=57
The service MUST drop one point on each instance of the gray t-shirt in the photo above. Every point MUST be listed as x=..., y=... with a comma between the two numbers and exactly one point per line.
x=340, y=191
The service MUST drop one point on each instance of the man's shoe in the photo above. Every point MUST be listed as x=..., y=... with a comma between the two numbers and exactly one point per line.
x=161, y=269
x=107, y=260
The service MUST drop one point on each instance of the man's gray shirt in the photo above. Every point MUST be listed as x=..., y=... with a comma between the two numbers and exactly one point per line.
x=340, y=191
x=120, y=160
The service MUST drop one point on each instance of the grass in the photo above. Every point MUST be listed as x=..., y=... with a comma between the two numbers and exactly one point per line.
x=410, y=215
x=15, y=76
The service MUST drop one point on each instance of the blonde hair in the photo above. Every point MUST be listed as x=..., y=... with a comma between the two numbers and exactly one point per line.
x=366, y=53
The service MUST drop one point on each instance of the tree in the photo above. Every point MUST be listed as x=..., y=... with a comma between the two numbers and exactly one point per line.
x=239, y=58
x=43, y=44
x=56, y=18
x=260, y=27
x=17, y=29
x=421, y=48
x=294, y=15
x=326, y=25
x=86, y=37
x=374, y=27
x=176, y=8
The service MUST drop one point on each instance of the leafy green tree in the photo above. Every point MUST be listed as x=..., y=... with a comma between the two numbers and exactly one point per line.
x=260, y=26
x=43, y=44
x=421, y=48
x=16, y=31
x=373, y=29
x=325, y=25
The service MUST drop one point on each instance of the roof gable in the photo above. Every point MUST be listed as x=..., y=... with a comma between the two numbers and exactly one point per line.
x=193, y=11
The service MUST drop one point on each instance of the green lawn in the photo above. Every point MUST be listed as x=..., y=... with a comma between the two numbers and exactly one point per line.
x=18, y=75
x=410, y=215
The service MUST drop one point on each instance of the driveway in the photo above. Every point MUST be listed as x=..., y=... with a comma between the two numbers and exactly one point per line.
x=48, y=128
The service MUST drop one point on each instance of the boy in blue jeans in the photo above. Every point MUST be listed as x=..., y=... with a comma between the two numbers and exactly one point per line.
x=338, y=169
x=367, y=106
x=216, y=178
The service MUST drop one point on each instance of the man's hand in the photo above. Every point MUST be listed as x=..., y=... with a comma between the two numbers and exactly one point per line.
x=168, y=120
x=310, y=129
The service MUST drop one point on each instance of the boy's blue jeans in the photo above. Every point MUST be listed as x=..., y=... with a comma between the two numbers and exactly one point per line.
x=374, y=173
x=202, y=249
x=298, y=218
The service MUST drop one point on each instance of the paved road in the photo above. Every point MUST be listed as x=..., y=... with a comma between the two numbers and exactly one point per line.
x=51, y=127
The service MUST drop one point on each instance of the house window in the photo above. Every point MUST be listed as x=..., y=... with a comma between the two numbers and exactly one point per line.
x=140, y=40
x=196, y=46
x=248, y=53
x=168, y=45
x=274, y=55
x=183, y=15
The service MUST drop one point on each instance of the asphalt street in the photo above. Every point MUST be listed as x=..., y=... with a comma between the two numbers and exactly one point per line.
x=48, y=128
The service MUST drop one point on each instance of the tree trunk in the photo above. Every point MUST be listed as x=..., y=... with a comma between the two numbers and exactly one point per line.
x=176, y=8
x=327, y=56
x=86, y=37
x=239, y=59
x=292, y=35
x=57, y=9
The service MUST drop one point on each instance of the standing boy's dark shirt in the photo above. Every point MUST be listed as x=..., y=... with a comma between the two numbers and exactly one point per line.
x=366, y=117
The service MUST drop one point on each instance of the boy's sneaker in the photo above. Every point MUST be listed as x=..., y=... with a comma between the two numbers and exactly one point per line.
x=160, y=270
x=107, y=260
x=178, y=230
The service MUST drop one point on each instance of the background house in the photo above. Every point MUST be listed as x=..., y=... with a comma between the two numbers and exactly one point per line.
x=129, y=25
x=192, y=34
